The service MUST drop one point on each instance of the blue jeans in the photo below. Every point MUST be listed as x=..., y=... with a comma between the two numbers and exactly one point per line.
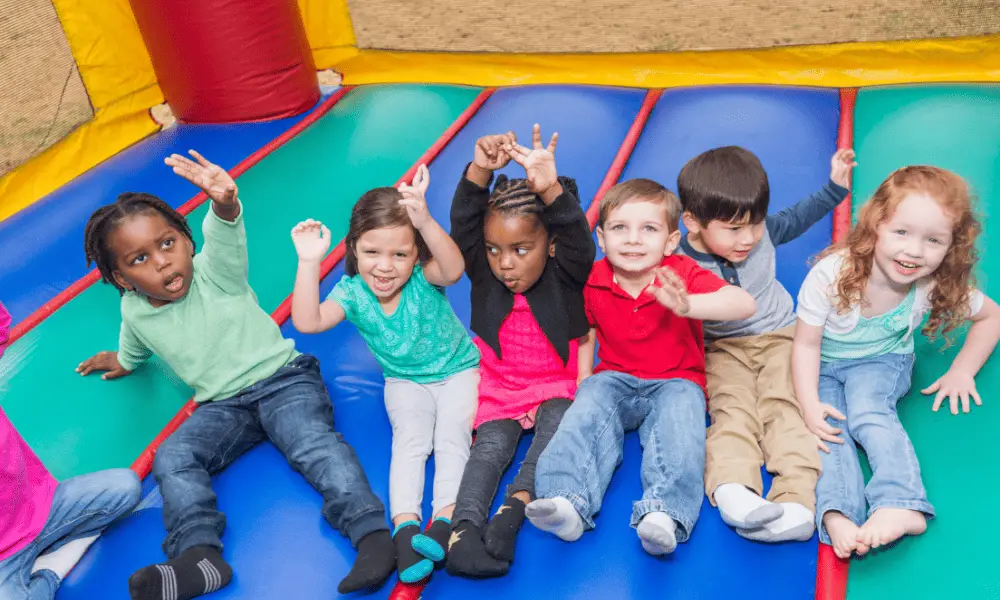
x=866, y=390
x=292, y=410
x=82, y=507
x=587, y=448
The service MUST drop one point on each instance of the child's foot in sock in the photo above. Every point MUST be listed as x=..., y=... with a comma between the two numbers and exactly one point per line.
x=658, y=533
x=557, y=516
x=199, y=570
x=374, y=564
x=467, y=556
x=843, y=535
x=743, y=509
x=433, y=543
x=886, y=525
x=63, y=560
x=797, y=523
x=411, y=566
x=501, y=532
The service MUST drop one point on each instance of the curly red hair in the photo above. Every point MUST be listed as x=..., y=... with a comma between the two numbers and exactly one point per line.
x=953, y=279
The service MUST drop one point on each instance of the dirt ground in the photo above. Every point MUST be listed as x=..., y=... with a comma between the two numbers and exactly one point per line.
x=42, y=97
x=658, y=25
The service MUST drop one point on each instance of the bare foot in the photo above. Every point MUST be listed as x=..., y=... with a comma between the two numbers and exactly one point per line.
x=843, y=534
x=886, y=525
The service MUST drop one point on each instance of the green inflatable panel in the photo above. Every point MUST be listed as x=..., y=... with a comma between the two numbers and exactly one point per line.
x=956, y=127
x=78, y=425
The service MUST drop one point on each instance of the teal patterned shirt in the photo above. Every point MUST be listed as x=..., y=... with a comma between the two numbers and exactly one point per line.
x=422, y=341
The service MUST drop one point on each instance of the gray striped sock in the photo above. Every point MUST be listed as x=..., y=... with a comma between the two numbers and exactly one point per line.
x=199, y=570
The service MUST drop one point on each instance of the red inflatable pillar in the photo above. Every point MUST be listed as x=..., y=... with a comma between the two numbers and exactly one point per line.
x=225, y=61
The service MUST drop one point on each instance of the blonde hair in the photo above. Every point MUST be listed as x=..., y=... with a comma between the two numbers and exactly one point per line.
x=640, y=189
x=953, y=279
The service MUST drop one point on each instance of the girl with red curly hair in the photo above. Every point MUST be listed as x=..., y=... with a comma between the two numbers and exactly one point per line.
x=910, y=256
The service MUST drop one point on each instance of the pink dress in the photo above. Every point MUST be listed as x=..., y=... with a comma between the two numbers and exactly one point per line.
x=26, y=488
x=530, y=373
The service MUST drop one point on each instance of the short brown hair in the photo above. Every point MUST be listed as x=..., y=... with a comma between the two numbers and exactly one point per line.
x=640, y=189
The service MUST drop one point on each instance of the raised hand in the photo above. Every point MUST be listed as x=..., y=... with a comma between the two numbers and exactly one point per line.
x=413, y=198
x=539, y=162
x=210, y=177
x=311, y=239
x=103, y=361
x=490, y=154
x=840, y=167
x=670, y=291
x=815, y=418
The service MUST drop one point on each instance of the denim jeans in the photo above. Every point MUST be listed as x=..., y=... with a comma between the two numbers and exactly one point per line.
x=292, y=410
x=82, y=507
x=493, y=451
x=866, y=391
x=584, y=453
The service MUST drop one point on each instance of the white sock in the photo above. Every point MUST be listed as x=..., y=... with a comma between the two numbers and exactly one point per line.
x=797, y=523
x=64, y=559
x=743, y=509
x=658, y=533
x=557, y=516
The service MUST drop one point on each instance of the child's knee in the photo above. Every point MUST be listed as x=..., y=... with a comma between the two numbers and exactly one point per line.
x=125, y=485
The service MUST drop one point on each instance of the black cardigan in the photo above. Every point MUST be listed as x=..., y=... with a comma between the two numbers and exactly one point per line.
x=556, y=299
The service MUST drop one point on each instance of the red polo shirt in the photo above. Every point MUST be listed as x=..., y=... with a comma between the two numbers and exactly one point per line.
x=640, y=336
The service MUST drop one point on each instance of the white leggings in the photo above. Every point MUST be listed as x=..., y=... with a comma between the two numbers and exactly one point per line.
x=429, y=417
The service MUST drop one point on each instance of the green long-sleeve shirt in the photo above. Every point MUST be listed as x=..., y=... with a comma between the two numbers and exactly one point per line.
x=216, y=338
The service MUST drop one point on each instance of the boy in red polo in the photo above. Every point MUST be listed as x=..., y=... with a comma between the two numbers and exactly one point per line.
x=645, y=305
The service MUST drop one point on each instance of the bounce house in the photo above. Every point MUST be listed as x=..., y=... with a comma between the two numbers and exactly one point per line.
x=282, y=95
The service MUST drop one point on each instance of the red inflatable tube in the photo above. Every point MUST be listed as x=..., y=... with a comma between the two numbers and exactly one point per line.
x=228, y=61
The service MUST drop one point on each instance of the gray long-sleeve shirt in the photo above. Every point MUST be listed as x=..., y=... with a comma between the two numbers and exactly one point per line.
x=757, y=274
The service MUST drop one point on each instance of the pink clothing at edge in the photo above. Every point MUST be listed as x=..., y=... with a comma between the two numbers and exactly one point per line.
x=26, y=488
x=530, y=373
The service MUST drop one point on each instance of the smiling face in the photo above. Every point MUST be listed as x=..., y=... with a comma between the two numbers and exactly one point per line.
x=731, y=241
x=912, y=242
x=386, y=257
x=517, y=249
x=636, y=236
x=152, y=258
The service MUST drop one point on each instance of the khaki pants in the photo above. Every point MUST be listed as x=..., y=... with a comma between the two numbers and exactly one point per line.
x=756, y=419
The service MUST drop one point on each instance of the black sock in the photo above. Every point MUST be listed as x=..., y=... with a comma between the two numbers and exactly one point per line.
x=433, y=543
x=199, y=570
x=375, y=563
x=411, y=566
x=501, y=533
x=467, y=556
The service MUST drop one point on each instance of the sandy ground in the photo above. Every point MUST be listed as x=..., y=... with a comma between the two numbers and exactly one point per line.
x=657, y=25
x=42, y=97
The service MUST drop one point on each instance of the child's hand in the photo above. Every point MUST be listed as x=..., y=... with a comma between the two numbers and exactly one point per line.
x=413, y=198
x=311, y=239
x=671, y=292
x=815, y=419
x=103, y=361
x=539, y=163
x=490, y=154
x=211, y=178
x=954, y=385
x=840, y=167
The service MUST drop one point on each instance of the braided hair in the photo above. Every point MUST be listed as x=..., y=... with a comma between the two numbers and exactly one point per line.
x=106, y=219
x=511, y=197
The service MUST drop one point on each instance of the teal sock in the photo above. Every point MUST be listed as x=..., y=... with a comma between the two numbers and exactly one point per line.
x=433, y=544
x=411, y=566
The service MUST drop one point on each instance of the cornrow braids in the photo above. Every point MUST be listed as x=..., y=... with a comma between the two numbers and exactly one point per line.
x=512, y=197
x=106, y=219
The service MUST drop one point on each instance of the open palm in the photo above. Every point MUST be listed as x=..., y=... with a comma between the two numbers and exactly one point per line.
x=210, y=177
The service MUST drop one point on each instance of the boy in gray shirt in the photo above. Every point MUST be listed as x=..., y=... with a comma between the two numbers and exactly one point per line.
x=754, y=414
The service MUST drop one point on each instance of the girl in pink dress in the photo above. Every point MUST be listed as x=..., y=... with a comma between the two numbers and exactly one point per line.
x=45, y=525
x=528, y=252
